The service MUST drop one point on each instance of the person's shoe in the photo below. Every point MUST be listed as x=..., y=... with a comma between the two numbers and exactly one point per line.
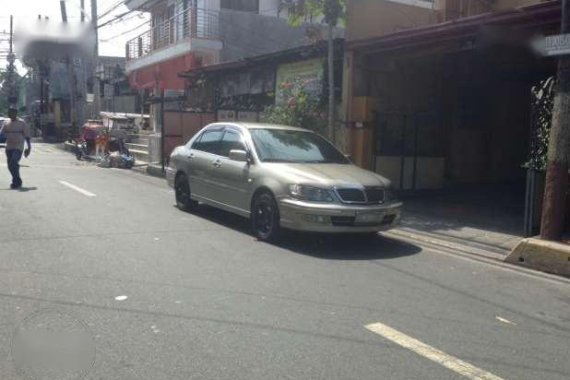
x=15, y=187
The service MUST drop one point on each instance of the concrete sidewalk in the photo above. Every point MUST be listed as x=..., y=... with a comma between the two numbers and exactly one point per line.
x=485, y=220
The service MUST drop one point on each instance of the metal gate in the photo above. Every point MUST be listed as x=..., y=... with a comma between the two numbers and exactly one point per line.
x=541, y=117
x=408, y=138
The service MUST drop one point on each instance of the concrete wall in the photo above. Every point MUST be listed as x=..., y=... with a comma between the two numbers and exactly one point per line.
x=181, y=126
x=125, y=104
x=373, y=18
x=270, y=8
x=249, y=34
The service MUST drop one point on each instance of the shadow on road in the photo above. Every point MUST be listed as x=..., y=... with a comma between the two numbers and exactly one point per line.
x=346, y=247
x=21, y=189
x=325, y=246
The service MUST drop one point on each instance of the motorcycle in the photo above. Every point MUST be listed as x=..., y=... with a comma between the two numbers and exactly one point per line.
x=82, y=151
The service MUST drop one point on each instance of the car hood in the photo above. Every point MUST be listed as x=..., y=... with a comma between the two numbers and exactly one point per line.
x=329, y=175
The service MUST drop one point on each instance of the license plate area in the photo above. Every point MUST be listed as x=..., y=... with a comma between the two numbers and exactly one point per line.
x=369, y=218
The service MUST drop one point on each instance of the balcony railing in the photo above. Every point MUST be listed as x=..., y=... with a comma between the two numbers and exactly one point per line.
x=190, y=23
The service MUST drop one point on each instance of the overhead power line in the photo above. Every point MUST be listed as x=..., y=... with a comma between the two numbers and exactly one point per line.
x=111, y=9
x=118, y=17
x=115, y=19
x=126, y=32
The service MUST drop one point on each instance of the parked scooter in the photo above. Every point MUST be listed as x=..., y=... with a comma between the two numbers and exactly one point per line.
x=82, y=152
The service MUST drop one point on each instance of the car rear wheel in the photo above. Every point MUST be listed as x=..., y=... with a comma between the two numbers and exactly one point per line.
x=182, y=190
x=265, y=217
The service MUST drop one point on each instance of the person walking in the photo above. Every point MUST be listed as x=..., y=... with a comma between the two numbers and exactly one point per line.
x=17, y=132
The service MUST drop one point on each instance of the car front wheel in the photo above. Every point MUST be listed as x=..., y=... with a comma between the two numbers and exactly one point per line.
x=265, y=217
x=182, y=190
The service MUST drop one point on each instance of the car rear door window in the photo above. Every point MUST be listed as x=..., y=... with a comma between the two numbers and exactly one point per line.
x=231, y=140
x=209, y=141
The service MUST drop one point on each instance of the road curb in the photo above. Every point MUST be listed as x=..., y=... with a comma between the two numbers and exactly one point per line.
x=424, y=238
x=67, y=146
x=548, y=256
x=155, y=171
x=151, y=170
x=488, y=258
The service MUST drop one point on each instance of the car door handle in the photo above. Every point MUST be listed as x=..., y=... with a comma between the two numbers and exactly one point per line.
x=217, y=163
x=191, y=156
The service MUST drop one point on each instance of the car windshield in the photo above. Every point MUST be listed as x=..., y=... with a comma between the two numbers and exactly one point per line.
x=286, y=145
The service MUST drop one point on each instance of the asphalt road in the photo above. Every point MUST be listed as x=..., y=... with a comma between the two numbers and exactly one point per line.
x=205, y=300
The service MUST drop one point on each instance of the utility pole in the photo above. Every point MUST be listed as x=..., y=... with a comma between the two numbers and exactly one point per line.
x=553, y=211
x=332, y=10
x=12, y=87
x=82, y=10
x=72, y=80
x=63, y=11
x=332, y=101
x=80, y=78
x=96, y=84
x=94, y=19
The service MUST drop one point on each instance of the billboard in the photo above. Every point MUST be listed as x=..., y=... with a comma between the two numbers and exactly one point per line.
x=308, y=74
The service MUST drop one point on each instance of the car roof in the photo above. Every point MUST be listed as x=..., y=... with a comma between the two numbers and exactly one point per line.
x=251, y=125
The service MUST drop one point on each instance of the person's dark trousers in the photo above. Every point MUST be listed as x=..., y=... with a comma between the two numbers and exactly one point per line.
x=14, y=156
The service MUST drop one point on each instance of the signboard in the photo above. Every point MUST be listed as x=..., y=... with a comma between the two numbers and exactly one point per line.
x=226, y=115
x=173, y=93
x=247, y=116
x=552, y=46
x=306, y=74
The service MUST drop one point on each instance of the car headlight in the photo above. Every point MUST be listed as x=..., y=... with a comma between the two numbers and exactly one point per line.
x=311, y=193
x=390, y=195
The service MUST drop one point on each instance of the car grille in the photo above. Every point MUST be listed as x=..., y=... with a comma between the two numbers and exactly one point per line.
x=352, y=195
x=370, y=195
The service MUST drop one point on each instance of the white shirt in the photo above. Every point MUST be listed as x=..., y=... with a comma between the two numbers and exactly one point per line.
x=16, y=134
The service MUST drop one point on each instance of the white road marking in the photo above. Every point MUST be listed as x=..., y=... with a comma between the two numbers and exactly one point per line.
x=78, y=189
x=121, y=298
x=504, y=320
x=431, y=353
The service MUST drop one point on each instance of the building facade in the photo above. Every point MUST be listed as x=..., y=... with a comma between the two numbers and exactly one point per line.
x=438, y=94
x=189, y=34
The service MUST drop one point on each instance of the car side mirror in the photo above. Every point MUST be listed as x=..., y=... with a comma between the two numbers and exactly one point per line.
x=239, y=155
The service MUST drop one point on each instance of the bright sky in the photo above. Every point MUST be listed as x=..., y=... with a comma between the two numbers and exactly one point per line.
x=109, y=41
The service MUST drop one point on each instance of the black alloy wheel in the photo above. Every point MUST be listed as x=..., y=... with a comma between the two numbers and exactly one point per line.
x=182, y=190
x=265, y=217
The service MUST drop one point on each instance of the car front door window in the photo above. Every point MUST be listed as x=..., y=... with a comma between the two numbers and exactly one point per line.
x=209, y=142
x=231, y=141
x=200, y=162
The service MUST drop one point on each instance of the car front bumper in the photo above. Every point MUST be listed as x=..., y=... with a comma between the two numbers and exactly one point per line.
x=338, y=218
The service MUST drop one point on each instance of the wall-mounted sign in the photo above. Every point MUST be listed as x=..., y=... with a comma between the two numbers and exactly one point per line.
x=552, y=46
x=306, y=74
x=227, y=115
x=248, y=116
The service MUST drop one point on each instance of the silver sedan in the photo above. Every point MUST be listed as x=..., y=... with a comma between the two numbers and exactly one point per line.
x=280, y=177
